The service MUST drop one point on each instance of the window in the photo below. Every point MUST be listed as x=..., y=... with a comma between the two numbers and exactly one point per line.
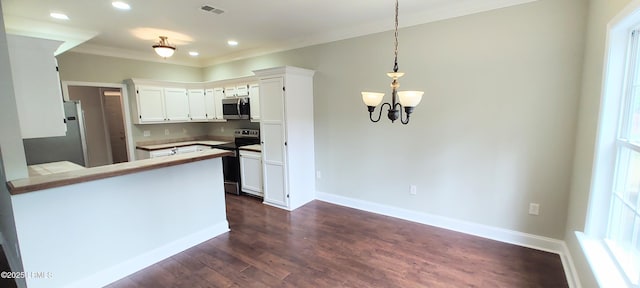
x=623, y=228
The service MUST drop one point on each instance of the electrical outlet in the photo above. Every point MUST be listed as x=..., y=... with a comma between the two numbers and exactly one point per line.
x=534, y=209
x=413, y=190
x=318, y=174
x=184, y=131
x=147, y=133
x=221, y=129
x=166, y=132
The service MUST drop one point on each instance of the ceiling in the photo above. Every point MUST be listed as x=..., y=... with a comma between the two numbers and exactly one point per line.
x=260, y=26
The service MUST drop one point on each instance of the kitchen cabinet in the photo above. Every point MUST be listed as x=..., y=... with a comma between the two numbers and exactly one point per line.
x=36, y=84
x=218, y=94
x=287, y=136
x=146, y=154
x=230, y=91
x=251, y=172
x=197, y=105
x=236, y=90
x=176, y=104
x=213, y=103
x=254, y=102
x=158, y=102
x=150, y=104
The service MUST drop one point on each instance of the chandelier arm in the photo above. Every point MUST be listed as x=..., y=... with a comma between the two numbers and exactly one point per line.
x=379, y=114
x=404, y=121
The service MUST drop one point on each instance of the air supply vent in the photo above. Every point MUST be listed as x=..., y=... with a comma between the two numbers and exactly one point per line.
x=208, y=8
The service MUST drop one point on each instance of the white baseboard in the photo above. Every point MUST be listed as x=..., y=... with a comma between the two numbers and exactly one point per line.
x=503, y=235
x=140, y=262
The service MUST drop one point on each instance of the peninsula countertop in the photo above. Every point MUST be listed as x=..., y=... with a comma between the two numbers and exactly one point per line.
x=41, y=182
x=181, y=144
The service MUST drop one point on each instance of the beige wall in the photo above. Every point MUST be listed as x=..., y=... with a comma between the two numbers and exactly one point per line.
x=600, y=13
x=495, y=130
x=95, y=129
x=103, y=69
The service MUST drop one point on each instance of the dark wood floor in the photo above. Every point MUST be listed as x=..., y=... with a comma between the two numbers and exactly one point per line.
x=324, y=245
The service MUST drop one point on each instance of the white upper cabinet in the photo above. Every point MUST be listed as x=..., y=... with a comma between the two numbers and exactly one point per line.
x=176, y=104
x=230, y=91
x=254, y=102
x=218, y=95
x=150, y=104
x=37, y=86
x=164, y=101
x=209, y=104
x=242, y=90
x=197, y=105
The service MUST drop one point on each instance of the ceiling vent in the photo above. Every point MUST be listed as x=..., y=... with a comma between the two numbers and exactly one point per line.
x=208, y=8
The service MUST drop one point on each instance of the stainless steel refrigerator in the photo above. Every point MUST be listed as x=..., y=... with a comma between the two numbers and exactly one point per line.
x=70, y=147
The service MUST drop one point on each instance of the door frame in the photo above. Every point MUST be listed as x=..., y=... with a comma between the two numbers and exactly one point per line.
x=125, y=107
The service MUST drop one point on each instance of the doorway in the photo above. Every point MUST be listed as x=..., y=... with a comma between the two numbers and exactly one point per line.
x=112, y=102
x=104, y=112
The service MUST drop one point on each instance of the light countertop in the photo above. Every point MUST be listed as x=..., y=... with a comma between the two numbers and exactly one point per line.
x=72, y=176
x=53, y=167
x=181, y=144
x=254, y=147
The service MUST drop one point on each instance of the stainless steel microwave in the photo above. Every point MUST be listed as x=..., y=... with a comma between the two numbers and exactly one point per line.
x=235, y=108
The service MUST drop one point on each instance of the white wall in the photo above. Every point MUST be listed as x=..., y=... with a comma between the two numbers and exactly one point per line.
x=14, y=162
x=93, y=233
x=12, y=159
x=495, y=129
x=600, y=13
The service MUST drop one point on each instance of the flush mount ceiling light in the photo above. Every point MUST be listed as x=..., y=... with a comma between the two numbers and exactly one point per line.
x=60, y=16
x=194, y=53
x=232, y=43
x=121, y=5
x=399, y=99
x=163, y=48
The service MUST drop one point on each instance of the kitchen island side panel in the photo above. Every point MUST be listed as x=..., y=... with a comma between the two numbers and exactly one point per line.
x=93, y=233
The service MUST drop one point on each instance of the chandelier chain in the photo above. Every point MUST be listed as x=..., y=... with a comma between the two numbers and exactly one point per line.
x=395, y=48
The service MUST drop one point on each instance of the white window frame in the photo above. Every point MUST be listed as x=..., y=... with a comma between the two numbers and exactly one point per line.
x=606, y=270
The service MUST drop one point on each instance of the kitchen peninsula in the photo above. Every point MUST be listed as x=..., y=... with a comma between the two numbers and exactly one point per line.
x=89, y=227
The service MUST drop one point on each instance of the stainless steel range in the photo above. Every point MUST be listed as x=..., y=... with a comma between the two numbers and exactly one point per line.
x=231, y=164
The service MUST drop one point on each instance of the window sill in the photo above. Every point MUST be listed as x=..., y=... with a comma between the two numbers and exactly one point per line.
x=604, y=268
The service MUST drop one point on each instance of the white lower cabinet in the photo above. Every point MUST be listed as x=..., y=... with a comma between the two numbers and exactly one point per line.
x=146, y=154
x=251, y=172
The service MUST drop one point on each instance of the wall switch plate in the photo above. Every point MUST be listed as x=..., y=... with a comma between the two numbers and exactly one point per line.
x=146, y=133
x=318, y=174
x=534, y=209
x=413, y=190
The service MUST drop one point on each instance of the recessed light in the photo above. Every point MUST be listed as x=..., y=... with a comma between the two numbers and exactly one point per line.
x=232, y=43
x=194, y=53
x=60, y=16
x=121, y=5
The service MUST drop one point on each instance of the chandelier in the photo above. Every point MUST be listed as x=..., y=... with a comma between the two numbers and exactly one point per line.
x=163, y=48
x=399, y=99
